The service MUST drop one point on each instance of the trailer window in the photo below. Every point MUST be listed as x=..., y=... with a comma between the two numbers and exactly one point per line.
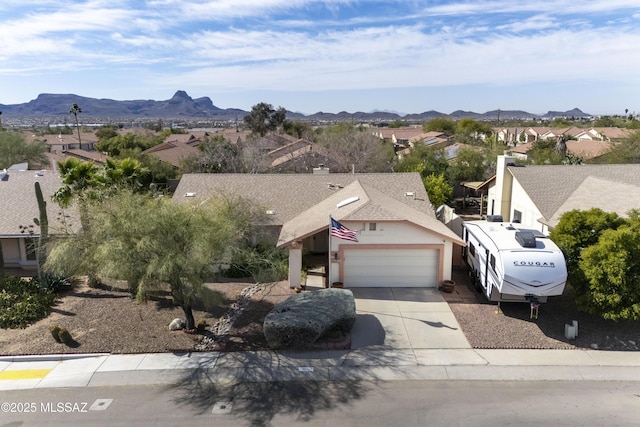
x=472, y=250
x=492, y=261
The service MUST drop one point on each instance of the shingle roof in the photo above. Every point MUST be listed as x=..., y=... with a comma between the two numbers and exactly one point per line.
x=554, y=189
x=19, y=204
x=302, y=202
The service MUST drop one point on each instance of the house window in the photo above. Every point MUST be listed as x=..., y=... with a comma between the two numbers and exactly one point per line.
x=517, y=216
x=30, y=248
x=472, y=250
x=372, y=226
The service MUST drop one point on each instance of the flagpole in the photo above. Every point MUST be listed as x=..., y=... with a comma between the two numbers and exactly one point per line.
x=329, y=264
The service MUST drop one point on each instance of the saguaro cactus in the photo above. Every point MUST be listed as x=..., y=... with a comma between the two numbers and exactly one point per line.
x=43, y=223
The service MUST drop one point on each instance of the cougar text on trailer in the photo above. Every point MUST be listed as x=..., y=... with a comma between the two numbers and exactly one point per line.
x=508, y=263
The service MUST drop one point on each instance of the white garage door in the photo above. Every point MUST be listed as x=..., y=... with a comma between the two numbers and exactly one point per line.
x=391, y=267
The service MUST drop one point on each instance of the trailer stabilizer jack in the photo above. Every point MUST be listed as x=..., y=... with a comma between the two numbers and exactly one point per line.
x=535, y=305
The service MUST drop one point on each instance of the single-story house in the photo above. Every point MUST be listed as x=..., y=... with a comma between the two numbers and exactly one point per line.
x=19, y=207
x=399, y=240
x=537, y=196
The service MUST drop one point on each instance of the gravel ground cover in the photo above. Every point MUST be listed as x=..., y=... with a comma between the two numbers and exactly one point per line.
x=511, y=326
x=107, y=320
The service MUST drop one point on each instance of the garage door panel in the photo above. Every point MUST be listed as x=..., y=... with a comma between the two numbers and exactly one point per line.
x=391, y=267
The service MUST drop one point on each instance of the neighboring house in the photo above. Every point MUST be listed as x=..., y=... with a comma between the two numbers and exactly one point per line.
x=430, y=139
x=300, y=156
x=405, y=138
x=537, y=196
x=586, y=148
x=400, y=241
x=19, y=208
x=173, y=151
x=510, y=135
x=87, y=156
x=612, y=134
x=61, y=143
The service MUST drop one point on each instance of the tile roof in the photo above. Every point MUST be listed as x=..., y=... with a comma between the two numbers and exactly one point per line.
x=302, y=202
x=84, y=155
x=173, y=151
x=557, y=188
x=19, y=205
x=614, y=132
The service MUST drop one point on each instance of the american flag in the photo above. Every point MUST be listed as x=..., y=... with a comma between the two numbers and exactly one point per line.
x=341, y=232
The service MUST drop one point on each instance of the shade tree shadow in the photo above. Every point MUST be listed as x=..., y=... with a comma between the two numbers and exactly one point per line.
x=266, y=385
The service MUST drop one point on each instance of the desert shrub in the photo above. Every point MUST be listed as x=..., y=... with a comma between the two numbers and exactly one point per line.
x=201, y=327
x=22, y=302
x=612, y=269
x=52, y=282
x=55, y=333
x=263, y=264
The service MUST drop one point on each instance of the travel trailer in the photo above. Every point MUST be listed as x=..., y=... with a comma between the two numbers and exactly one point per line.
x=509, y=263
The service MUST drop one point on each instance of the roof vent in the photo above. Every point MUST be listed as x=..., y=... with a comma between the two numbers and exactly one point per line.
x=270, y=212
x=190, y=195
x=526, y=239
x=345, y=202
x=410, y=194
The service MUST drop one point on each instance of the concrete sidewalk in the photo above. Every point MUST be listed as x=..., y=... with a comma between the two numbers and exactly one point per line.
x=23, y=372
x=400, y=334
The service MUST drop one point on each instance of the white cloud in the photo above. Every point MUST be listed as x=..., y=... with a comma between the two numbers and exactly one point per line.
x=281, y=45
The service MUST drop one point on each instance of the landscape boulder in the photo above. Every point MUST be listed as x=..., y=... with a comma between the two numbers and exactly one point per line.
x=177, y=324
x=303, y=318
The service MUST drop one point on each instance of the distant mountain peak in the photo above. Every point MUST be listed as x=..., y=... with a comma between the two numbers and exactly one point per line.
x=181, y=94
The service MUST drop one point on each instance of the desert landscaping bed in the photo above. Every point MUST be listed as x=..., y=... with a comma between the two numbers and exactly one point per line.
x=510, y=326
x=107, y=320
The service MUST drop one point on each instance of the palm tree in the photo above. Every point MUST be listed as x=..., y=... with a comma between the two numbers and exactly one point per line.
x=127, y=172
x=75, y=109
x=561, y=146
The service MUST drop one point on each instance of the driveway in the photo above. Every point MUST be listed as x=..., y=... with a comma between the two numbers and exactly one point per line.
x=404, y=318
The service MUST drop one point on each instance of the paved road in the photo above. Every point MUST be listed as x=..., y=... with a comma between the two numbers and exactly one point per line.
x=356, y=403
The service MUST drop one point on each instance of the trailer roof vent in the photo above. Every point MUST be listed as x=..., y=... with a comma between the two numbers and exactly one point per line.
x=526, y=239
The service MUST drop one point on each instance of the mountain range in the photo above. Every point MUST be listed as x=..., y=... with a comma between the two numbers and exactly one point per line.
x=182, y=106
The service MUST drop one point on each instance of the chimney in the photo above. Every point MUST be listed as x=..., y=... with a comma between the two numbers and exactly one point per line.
x=501, y=203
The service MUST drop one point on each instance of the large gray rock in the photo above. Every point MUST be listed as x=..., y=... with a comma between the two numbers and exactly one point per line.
x=303, y=318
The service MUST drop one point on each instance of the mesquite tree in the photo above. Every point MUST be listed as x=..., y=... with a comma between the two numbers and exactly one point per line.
x=155, y=242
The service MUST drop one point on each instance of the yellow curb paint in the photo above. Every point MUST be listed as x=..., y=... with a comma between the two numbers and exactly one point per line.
x=24, y=374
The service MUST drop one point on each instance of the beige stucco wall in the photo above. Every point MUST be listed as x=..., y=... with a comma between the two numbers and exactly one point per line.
x=392, y=234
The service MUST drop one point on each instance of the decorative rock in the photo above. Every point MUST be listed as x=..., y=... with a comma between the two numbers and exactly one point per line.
x=300, y=320
x=215, y=341
x=177, y=324
x=594, y=346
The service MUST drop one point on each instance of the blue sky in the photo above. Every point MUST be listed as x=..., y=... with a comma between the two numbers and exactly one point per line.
x=407, y=56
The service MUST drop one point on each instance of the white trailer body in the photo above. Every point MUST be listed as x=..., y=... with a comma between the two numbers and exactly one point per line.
x=508, y=263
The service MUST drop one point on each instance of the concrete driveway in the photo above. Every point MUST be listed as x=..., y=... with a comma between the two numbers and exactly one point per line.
x=404, y=318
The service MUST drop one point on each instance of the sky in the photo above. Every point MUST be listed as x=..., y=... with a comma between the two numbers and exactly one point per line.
x=405, y=56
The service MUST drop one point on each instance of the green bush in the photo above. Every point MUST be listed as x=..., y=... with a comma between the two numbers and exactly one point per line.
x=52, y=282
x=264, y=264
x=22, y=302
x=55, y=333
